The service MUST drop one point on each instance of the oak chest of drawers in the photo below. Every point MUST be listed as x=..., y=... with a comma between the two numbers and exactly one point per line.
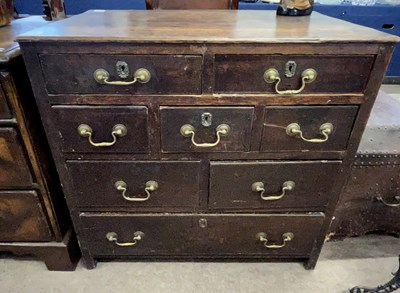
x=204, y=134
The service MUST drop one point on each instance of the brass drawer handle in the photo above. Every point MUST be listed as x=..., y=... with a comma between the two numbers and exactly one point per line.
x=113, y=237
x=394, y=205
x=286, y=237
x=150, y=186
x=294, y=129
x=272, y=76
x=259, y=187
x=118, y=130
x=141, y=75
x=188, y=130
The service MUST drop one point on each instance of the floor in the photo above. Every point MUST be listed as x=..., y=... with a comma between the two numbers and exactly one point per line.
x=366, y=261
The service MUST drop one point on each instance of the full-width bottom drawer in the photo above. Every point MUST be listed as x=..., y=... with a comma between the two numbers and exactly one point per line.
x=205, y=235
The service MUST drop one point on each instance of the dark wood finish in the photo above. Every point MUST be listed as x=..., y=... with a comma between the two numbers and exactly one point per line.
x=169, y=74
x=33, y=220
x=233, y=73
x=239, y=119
x=310, y=119
x=95, y=188
x=14, y=169
x=5, y=112
x=201, y=234
x=193, y=4
x=230, y=184
x=208, y=34
x=22, y=217
x=102, y=121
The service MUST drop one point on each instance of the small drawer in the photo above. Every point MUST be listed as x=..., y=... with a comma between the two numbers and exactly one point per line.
x=201, y=235
x=5, y=112
x=164, y=74
x=314, y=128
x=135, y=184
x=22, y=217
x=98, y=129
x=14, y=170
x=203, y=129
x=333, y=74
x=284, y=186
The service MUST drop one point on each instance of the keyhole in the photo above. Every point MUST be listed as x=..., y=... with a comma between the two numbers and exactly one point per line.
x=123, y=68
x=291, y=68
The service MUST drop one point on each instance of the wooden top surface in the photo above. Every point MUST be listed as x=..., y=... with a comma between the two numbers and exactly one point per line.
x=197, y=26
x=8, y=46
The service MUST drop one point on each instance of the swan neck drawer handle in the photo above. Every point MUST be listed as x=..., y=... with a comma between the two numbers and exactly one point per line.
x=113, y=237
x=188, y=130
x=286, y=237
x=393, y=205
x=259, y=187
x=141, y=75
x=118, y=130
x=150, y=186
x=294, y=129
x=272, y=76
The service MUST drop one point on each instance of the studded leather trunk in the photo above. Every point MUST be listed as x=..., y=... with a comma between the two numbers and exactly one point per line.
x=370, y=201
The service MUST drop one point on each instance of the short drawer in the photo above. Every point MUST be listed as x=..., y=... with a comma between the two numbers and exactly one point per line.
x=285, y=186
x=22, y=217
x=303, y=128
x=103, y=129
x=201, y=235
x=333, y=74
x=14, y=169
x=5, y=112
x=167, y=74
x=206, y=129
x=135, y=184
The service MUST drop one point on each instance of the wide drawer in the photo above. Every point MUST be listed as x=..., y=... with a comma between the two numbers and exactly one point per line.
x=4, y=109
x=303, y=128
x=206, y=129
x=22, y=217
x=292, y=185
x=75, y=73
x=334, y=74
x=102, y=129
x=201, y=235
x=135, y=184
x=14, y=170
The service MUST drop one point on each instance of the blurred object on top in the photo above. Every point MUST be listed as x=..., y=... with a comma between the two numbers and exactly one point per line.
x=53, y=9
x=295, y=7
x=193, y=4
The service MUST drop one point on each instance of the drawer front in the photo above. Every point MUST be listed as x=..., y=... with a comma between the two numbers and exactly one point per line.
x=95, y=129
x=5, y=112
x=301, y=185
x=14, y=170
x=206, y=129
x=325, y=128
x=73, y=73
x=200, y=235
x=22, y=217
x=126, y=184
x=334, y=74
